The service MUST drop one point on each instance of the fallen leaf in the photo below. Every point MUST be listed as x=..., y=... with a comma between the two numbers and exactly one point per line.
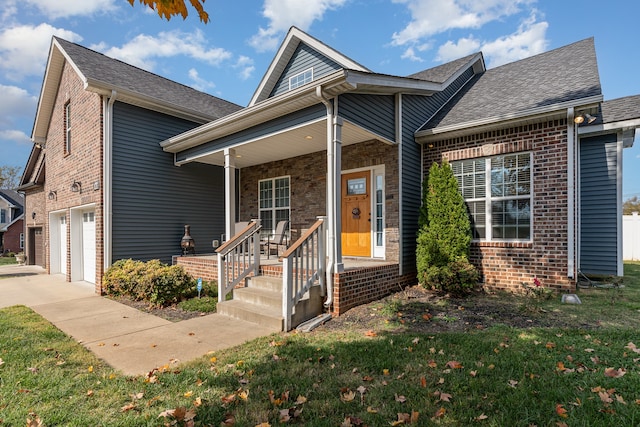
x=89, y=393
x=300, y=400
x=400, y=398
x=453, y=364
x=90, y=369
x=385, y=372
x=561, y=411
x=513, y=383
x=614, y=373
x=136, y=396
x=370, y=333
x=348, y=396
x=229, y=420
x=445, y=397
x=372, y=410
x=197, y=402
x=605, y=397
x=440, y=413
x=550, y=345
x=128, y=407
x=367, y=378
x=423, y=382
x=473, y=373
x=481, y=417
x=620, y=399
x=35, y=422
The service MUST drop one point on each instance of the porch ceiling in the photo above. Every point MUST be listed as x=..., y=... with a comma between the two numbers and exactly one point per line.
x=290, y=143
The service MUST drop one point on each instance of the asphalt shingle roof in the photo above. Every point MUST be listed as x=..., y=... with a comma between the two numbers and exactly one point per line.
x=118, y=74
x=619, y=109
x=442, y=73
x=563, y=74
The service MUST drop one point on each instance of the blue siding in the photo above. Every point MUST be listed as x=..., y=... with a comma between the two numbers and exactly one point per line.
x=152, y=198
x=299, y=117
x=416, y=111
x=373, y=112
x=304, y=58
x=598, y=205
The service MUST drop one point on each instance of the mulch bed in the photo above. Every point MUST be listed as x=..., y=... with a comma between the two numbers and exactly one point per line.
x=173, y=313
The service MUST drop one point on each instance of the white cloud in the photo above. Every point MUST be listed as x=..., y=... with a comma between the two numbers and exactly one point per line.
x=198, y=83
x=454, y=50
x=65, y=8
x=24, y=49
x=283, y=14
x=245, y=64
x=15, y=136
x=429, y=17
x=410, y=54
x=15, y=103
x=530, y=39
x=143, y=49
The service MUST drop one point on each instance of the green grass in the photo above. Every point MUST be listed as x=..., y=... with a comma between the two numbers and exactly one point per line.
x=7, y=260
x=494, y=377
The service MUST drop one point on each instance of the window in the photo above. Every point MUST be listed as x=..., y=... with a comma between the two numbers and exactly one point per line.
x=21, y=240
x=300, y=79
x=3, y=216
x=497, y=192
x=274, y=204
x=67, y=128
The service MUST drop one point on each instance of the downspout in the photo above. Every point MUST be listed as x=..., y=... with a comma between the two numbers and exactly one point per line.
x=107, y=162
x=571, y=215
x=330, y=198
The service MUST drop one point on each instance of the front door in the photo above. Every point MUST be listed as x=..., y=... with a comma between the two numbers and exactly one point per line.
x=356, y=214
x=89, y=247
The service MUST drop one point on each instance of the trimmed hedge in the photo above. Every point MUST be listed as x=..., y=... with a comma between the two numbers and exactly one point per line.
x=159, y=284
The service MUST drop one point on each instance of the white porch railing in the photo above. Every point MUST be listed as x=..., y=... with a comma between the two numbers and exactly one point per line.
x=302, y=265
x=238, y=257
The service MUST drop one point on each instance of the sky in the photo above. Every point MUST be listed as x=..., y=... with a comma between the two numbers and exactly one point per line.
x=228, y=56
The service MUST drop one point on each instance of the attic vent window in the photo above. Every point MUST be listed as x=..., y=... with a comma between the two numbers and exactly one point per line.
x=301, y=79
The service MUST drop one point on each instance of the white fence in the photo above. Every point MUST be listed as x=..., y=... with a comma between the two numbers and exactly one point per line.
x=631, y=237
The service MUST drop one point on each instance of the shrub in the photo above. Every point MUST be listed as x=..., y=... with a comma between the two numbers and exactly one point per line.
x=444, y=238
x=458, y=277
x=153, y=281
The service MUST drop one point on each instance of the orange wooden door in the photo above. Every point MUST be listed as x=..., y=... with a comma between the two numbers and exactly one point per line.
x=356, y=214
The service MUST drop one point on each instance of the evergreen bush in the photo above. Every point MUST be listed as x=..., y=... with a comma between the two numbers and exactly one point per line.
x=153, y=281
x=444, y=237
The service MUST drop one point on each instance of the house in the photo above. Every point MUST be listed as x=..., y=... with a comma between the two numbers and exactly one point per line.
x=337, y=151
x=97, y=186
x=11, y=221
x=535, y=148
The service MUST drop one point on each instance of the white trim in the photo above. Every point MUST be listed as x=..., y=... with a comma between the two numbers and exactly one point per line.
x=620, y=147
x=505, y=119
x=107, y=181
x=571, y=170
x=75, y=229
x=608, y=127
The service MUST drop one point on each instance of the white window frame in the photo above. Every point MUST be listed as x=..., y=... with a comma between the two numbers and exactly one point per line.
x=273, y=208
x=67, y=127
x=301, y=78
x=489, y=199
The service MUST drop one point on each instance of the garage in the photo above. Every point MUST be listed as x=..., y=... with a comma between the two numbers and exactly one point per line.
x=89, y=246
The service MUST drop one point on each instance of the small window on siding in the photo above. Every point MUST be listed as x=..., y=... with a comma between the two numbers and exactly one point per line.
x=21, y=240
x=301, y=79
x=67, y=128
x=3, y=216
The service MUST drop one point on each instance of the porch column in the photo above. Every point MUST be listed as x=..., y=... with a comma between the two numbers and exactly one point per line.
x=229, y=192
x=337, y=193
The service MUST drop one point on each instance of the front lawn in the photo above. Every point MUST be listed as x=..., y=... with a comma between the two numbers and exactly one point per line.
x=389, y=374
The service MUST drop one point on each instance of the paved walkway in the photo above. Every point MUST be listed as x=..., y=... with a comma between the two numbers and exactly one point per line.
x=127, y=339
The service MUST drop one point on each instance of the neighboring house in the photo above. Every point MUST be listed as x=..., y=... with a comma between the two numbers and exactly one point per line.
x=543, y=191
x=98, y=187
x=11, y=221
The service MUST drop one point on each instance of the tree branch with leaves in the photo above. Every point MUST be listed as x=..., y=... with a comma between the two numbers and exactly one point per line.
x=167, y=9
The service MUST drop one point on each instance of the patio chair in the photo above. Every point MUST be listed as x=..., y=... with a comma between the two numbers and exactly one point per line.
x=278, y=239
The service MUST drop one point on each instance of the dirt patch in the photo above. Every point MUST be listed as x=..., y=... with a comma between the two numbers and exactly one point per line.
x=416, y=309
x=172, y=313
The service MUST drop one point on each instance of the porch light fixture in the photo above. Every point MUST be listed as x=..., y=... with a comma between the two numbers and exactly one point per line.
x=308, y=137
x=76, y=187
x=187, y=243
x=584, y=116
x=53, y=195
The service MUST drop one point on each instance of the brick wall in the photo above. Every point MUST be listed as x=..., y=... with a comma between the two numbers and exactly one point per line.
x=11, y=237
x=83, y=163
x=505, y=265
x=35, y=202
x=308, y=186
x=363, y=285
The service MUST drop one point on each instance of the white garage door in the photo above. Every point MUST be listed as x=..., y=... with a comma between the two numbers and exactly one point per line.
x=63, y=244
x=89, y=247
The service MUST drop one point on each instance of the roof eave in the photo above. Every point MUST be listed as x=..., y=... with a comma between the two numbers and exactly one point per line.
x=504, y=119
x=147, y=102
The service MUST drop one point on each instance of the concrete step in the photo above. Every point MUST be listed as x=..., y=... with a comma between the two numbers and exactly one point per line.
x=265, y=282
x=259, y=296
x=253, y=313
